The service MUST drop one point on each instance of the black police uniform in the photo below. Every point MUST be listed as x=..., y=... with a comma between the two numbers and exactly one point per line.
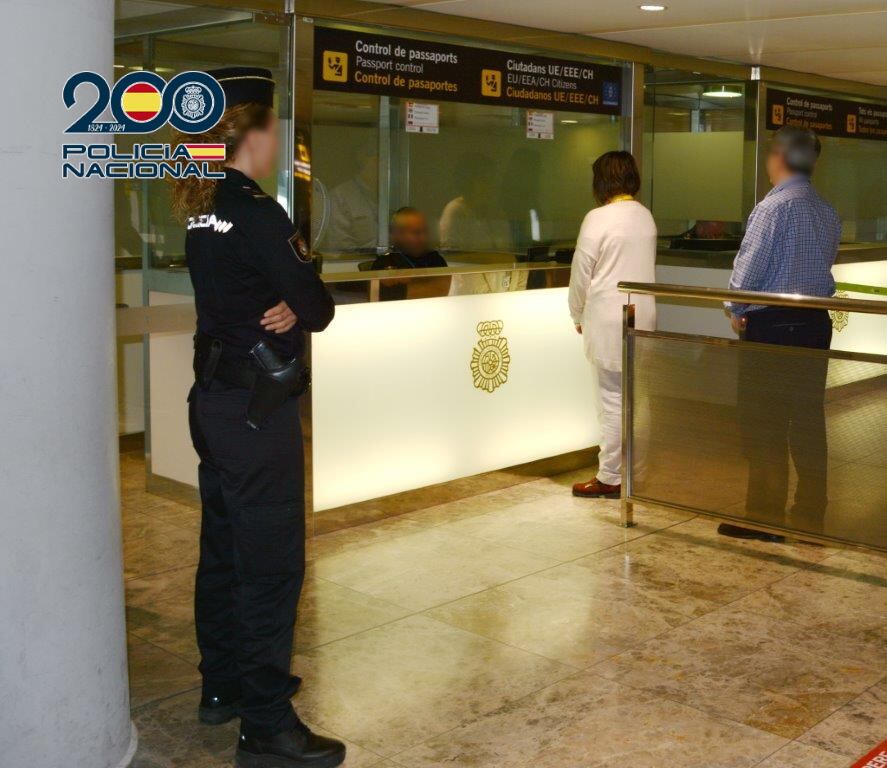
x=244, y=258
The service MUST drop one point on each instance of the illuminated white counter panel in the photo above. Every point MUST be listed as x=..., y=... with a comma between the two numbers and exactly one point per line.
x=406, y=394
x=411, y=393
x=855, y=333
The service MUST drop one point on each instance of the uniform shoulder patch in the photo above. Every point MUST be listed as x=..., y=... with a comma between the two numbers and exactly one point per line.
x=300, y=247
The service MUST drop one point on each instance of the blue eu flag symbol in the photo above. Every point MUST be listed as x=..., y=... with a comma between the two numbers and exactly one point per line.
x=610, y=93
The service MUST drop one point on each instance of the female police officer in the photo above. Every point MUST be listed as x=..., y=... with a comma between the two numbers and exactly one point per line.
x=245, y=255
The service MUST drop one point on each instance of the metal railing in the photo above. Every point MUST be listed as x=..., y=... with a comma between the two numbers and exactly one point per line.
x=833, y=304
x=679, y=376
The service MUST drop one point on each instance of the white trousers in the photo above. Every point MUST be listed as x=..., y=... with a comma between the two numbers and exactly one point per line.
x=610, y=457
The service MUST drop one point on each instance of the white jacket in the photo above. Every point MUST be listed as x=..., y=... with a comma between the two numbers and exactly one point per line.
x=616, y=242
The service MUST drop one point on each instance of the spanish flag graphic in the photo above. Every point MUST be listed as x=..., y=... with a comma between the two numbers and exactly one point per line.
x=206, y=151
x=141, y=102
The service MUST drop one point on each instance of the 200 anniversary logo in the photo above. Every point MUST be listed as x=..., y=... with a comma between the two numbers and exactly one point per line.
x=141, y=103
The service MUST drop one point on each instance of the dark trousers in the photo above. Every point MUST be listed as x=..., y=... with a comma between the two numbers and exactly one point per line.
x=252, y=553
x=782, y=411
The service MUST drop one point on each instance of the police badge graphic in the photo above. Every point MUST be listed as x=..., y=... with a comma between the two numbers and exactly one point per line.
x=192, y=101
x=490, y=358
x=193, y=104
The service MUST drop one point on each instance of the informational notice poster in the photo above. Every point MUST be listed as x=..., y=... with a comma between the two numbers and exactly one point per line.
x=826, y=116
x=540, y=125
x=422, y=117
x=357, y=62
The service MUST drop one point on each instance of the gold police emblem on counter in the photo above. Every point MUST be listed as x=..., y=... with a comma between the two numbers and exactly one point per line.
x=490, y=358
x=839, y=317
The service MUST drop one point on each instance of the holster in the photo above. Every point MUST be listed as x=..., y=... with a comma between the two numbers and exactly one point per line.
x=271, y=390
x=270, y=380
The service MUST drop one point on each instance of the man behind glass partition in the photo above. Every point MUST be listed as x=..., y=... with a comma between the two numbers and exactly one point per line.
x=354, y=212
x=411, y=249
x=789, y=246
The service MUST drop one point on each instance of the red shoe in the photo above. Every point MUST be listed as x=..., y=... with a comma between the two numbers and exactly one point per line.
x=595, y=489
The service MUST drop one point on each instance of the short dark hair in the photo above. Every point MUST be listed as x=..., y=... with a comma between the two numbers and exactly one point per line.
x=615, y=173
x=800, y=148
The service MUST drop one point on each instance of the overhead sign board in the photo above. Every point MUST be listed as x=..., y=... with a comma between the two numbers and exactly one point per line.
x=826, y=116
x=356, y=62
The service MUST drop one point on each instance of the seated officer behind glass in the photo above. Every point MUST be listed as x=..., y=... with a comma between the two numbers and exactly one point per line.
x=410, y=249
x=244, y=254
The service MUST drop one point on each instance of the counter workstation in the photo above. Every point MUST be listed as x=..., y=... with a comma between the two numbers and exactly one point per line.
x=483, y=372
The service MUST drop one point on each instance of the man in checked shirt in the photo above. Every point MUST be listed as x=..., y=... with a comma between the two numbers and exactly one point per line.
x=790, y=244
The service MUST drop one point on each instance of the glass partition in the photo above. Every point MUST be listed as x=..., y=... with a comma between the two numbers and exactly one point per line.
x=782, y=437
x=149, y=243
x=850, y=175
x=693, y=156
x=489, y=192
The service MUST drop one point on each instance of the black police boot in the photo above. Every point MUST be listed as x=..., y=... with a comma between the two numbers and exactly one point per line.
x=217, y=710
x=298, y=748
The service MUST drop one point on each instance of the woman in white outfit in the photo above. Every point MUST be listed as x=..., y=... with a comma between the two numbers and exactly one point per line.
x=617, y=242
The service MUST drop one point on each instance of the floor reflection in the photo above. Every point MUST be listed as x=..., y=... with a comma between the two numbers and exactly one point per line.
x=522, y=627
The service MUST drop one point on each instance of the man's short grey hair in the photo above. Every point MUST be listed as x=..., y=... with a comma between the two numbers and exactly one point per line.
x=800, y=148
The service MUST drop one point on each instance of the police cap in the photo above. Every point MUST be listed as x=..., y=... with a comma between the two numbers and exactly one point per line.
x=245, y=85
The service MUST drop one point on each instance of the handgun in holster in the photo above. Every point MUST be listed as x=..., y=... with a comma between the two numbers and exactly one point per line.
x=275, y=382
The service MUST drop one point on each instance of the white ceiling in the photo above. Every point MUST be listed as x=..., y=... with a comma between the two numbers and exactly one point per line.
x=839, y=38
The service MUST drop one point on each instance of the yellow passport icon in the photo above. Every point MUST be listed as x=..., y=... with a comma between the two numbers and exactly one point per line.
x=778, y=114
x=335, y=66
x=490, y=82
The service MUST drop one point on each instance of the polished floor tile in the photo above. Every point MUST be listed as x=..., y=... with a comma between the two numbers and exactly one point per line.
x=168, y=625
x=394, y=686
x=156, y=674
x=832, y=600
x=795, y=755
x=568, y=613
x=693, y=570
x=560, y=527
x=159, y=550
x=329, y=612
x=174, y=585
x=754, y=669
x=855, y=728
x=349, y=539
x=455, y=635
x=593, y=723
x=425, y=569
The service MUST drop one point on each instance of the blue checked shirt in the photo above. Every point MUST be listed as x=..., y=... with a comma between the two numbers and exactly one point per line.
x=790, y=244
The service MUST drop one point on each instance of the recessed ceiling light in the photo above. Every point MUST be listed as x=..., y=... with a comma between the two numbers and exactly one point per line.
x=722, y=93
x=569, y=122
x=652, y=7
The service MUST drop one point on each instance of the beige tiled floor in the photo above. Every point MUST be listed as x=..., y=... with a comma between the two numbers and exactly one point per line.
x=525, y=629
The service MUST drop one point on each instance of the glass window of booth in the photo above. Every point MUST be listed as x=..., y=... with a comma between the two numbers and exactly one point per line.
x=693, y=153
x=488, y=191
x=850, y=175
x=143, y=221
x=149, y=243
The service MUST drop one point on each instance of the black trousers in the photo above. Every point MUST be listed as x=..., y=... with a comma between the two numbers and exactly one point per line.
x=782, y=411
x=252, y=553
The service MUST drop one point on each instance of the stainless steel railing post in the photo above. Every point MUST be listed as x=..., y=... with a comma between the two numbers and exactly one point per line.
x=628, y=317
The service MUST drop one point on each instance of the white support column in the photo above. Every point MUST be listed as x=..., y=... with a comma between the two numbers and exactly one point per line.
x=64, y=698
